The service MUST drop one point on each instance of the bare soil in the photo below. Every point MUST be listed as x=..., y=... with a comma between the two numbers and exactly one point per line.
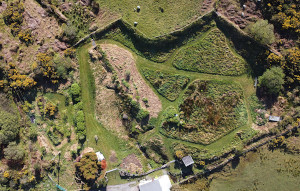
x=132, y=164
x=233, y=10
x=113, y=158
x=123, y=62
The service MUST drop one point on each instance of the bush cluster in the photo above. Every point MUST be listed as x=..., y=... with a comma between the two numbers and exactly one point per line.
x=13, y=17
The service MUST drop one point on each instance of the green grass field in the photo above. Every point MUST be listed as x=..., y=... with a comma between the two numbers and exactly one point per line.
x=262, y=170
x=156, y=17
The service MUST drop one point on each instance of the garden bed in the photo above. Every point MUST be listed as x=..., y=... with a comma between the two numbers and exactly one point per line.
x=208, y=111
x=210, y=55
x=168, y=85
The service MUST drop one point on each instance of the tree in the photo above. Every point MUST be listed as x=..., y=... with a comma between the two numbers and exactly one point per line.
x=262, y=32
x=9, y=127
x=272, y=80
x=13, y=152
x=88, y=167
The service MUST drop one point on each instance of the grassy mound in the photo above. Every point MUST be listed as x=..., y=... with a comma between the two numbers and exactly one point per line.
x=155, y=17
x=208, y=111
x=210, y=55
x=167, y=85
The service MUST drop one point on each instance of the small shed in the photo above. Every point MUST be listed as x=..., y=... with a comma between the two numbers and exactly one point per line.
x=100, y=156
x=274, y=118
x=187, y=160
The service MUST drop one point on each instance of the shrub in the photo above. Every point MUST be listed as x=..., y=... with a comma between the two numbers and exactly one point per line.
x=142, y=114
x=262, y=32
x=9, y=127
x=14, y=153
x=75, y=92
x=33, y=133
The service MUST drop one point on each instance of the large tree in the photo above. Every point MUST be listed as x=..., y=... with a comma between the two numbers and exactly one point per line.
x=272, y=80
x=262, y=32
x=9, y=127
x=14, y=153
x=88, y=167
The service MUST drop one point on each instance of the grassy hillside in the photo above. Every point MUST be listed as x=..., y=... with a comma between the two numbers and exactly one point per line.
x=156, y=17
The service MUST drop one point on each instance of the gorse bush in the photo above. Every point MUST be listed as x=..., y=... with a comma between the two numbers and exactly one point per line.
x=210, y=55
x=13, y=17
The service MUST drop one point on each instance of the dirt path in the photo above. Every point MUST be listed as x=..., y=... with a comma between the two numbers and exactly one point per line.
x=123, y=61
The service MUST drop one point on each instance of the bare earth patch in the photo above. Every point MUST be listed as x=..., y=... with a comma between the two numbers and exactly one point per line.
x=113, y=158
x=122, y=60
x=44, y=142
x=132, y=164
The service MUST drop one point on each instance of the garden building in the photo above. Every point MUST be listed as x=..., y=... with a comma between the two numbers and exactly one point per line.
x=100, y=156
x=187, y=161
x=274, y=118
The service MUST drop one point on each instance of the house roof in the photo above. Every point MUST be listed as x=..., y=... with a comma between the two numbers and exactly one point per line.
x=187, y=160
x=151, y=186
x=100, y=156
x=274, y=118
x=162, y=183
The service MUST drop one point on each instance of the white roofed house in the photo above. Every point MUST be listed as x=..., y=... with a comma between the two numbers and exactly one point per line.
x=162, y=183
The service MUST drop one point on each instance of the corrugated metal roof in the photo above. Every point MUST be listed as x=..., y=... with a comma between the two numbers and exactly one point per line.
x=187, y=160
x=274, y=118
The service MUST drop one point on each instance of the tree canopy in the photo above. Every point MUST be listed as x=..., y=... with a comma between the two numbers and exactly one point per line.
x=262, y=32
x=272, y=80
x=9, y=127
x=13, y=152
x=88, y=167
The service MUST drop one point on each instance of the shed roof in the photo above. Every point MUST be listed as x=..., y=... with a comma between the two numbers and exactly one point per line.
x=274, y=118
x=187, y=160
x=100, y=156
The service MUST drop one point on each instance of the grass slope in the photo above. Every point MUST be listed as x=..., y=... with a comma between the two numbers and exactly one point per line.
x=156, y=17
x=168, y=85
x=210, y=55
